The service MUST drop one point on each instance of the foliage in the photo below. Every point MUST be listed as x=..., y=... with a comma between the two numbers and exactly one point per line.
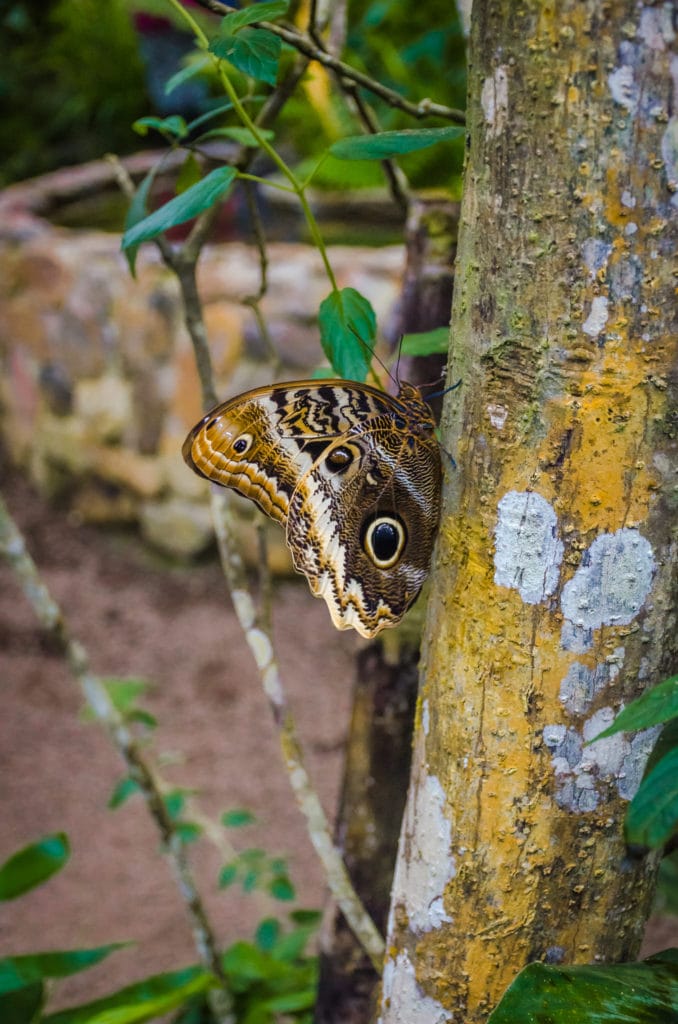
x=418, y=50
x=270, y=975
x=56, y=109
x=346, y=319
x=652, y=817
x=598, y=994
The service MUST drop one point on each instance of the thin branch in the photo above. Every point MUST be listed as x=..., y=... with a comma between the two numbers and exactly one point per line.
x=424, y=108
x=260, y=242
x=49, y=614
x=253, y=625
x=195, y=325
x=397, y=180
x=305, y=44
x=261, y=646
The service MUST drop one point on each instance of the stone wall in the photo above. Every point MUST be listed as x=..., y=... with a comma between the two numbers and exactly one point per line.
x=98, y=386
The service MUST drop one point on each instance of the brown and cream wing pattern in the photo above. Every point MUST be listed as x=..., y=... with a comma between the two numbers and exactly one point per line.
x=353, y=475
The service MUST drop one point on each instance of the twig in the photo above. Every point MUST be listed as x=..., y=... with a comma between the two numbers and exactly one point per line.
x=304, y=44
x=50, y=616
x=424, y=108
x=259, y=638
x=259, y=641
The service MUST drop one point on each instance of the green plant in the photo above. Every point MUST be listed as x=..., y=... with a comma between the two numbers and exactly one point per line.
x=272, y=974
x=56, y=109
x=346, y=319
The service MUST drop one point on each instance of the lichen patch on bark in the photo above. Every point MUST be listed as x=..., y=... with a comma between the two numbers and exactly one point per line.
x=528, y=551
x=582, y=773
x=400, y=988
x=609, y=587
x=427, y=864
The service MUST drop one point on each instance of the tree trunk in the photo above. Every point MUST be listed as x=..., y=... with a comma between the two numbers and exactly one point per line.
x=554, y=581
x=368, y=823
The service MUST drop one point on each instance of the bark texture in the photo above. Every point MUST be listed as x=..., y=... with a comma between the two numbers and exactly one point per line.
x=372, y=803
x=553, y=595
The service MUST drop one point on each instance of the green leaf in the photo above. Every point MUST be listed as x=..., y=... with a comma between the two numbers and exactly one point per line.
x=237, y=817
x=33, y=865
x=124, y=693
x=250, y=879
x=185, y=207
x=174, y=126
x=123, y=790
x=267, y=934
x=22, y=1006
x=19, y=971
x=243, y=962
x=656, y=705
x=188, y=831
x=310, y=918
x=388, y=144
x=291, y=1001
x=291, y=946
x=652, y=817
x=666, y=741
x=143, y=1001
x=144, y=717
x=256, y=12
x=196, y=67
x=243, y=136
x=227, y=875
x=642, y=992
x=281, y=888
x=188, y=175
x=426, y=343
x=347, y=330
x=254, y=51
x=138, y=209
x=174, y=802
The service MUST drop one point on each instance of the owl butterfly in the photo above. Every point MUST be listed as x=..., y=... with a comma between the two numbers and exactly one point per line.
x=352, y=473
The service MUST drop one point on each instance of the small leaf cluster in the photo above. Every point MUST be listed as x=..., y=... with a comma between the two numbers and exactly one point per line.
x=346, y=319
x=124, y=695
x=273, y=975
x=255, y=53
x=270, y=976
x=652, y=818
x=253, y=868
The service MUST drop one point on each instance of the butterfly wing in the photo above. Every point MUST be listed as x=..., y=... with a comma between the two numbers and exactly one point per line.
x=362, y=524
x=350, y=474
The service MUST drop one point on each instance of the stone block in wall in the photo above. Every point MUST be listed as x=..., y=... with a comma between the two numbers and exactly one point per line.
x=178, y=528
x=104, y=407
x=98, y=384
x=143, y=475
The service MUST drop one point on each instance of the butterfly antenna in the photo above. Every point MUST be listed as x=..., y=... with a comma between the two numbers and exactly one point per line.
x=375, y=356
x=397, y=363
x=439, y=394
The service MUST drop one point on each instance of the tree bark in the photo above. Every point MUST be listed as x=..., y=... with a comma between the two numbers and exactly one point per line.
x=554, y=583
x=368, y=823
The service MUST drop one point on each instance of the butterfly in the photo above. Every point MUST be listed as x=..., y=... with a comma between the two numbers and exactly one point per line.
x=353, y=475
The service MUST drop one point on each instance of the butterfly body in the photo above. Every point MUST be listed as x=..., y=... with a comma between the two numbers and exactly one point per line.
x=351, y=473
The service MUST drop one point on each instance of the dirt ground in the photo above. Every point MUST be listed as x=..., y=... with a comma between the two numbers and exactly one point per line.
x=174, y=626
